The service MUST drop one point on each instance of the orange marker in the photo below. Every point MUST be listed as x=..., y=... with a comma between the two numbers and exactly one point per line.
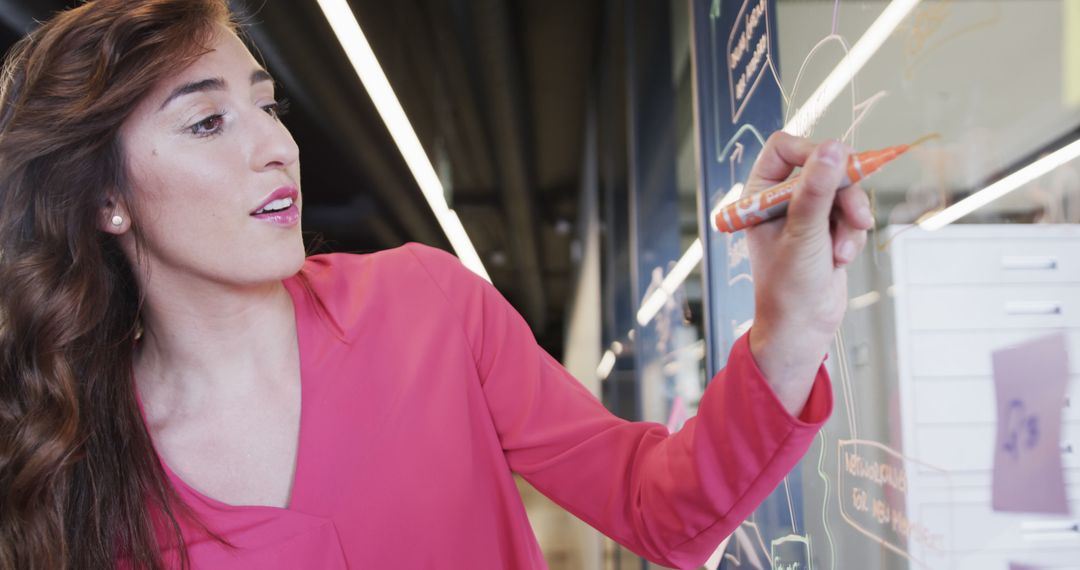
x=773, y=203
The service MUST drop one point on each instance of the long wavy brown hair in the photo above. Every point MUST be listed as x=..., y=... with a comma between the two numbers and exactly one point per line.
x=80, y=484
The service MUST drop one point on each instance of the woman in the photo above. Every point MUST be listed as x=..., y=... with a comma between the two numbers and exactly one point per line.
x=181, y=387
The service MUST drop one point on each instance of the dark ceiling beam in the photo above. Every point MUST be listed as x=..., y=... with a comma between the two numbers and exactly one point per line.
x=15, y=17
x=359, y=218
x=338, y=105
x=468, y=122
x=505, y=97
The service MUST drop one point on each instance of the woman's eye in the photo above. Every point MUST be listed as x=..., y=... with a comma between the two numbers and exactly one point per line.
x=278, y=108
x=208, y=126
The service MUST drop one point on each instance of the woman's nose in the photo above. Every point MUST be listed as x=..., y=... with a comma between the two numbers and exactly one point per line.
x=273, y=146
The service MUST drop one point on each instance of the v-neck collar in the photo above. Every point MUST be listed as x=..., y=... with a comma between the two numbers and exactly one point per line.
x=297, y=294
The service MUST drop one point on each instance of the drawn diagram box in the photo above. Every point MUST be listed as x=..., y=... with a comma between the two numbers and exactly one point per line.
x=874, y=499
x=748, y=53
x=791, y=552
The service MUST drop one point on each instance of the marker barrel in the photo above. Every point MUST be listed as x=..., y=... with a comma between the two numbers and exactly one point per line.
x=773, y=202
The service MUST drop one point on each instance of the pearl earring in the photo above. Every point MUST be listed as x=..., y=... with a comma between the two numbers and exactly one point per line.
x=117, y=220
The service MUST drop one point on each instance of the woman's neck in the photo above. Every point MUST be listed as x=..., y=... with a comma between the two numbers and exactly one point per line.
x=205, y=340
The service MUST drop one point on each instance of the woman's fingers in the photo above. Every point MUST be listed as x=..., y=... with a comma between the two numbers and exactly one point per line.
x=818, y=198
x=852, y=219
x=854, y=205
x=815, y=194
x=782, y=154
x=847, y=243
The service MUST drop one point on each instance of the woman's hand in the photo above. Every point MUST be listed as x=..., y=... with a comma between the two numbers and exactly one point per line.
x=800, y=284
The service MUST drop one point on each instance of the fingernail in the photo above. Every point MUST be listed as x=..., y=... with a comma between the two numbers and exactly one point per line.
x=830, y=151
x=865, y=215
x=847, y=251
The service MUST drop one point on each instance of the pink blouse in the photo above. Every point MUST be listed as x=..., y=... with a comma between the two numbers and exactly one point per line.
x=423, y=391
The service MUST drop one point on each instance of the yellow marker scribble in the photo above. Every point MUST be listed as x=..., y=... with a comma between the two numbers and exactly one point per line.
x=929, y=137
x=884, y=246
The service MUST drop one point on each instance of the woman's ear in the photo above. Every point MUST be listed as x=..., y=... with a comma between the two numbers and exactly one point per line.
x=113, y=218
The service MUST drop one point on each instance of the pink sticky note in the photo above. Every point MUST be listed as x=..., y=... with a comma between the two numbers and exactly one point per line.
x=1030, y=380
x=1015, y=566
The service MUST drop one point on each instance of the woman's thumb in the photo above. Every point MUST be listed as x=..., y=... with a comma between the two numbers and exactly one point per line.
x=812, y=201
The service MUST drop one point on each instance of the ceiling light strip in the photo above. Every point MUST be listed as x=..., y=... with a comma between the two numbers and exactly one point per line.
x=671, y=283
x=1002, y=187
x=352, y=39
x=607, y=362
x=808, y=115
x=810, y=112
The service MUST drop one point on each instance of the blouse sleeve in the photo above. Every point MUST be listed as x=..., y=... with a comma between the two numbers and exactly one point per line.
x=671, y=498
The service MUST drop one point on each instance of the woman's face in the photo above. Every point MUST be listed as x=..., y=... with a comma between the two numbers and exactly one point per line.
x=206, y=153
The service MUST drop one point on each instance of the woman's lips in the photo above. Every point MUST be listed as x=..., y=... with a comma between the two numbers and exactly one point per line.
x=285, y=192
x=286, y=218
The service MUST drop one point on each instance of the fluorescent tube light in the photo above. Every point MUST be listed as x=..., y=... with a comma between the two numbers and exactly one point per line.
x=347, y=29
x=655, y=301
x=607, y=362
x=799, y=125
x=863, y=301
x=1002, y=187
x=841, y=75
x=731, y=197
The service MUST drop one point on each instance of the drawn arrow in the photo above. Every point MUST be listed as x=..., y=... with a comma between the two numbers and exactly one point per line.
x=736, y=155
x=721, y=156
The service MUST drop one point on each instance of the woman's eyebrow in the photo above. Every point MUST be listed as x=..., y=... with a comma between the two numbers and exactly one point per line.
x=260, y=75
x=212, y=84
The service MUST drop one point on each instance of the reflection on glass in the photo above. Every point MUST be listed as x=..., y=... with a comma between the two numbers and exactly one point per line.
x=901, y=476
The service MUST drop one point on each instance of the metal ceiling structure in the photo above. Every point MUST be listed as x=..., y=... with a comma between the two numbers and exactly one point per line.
x=496, y=92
